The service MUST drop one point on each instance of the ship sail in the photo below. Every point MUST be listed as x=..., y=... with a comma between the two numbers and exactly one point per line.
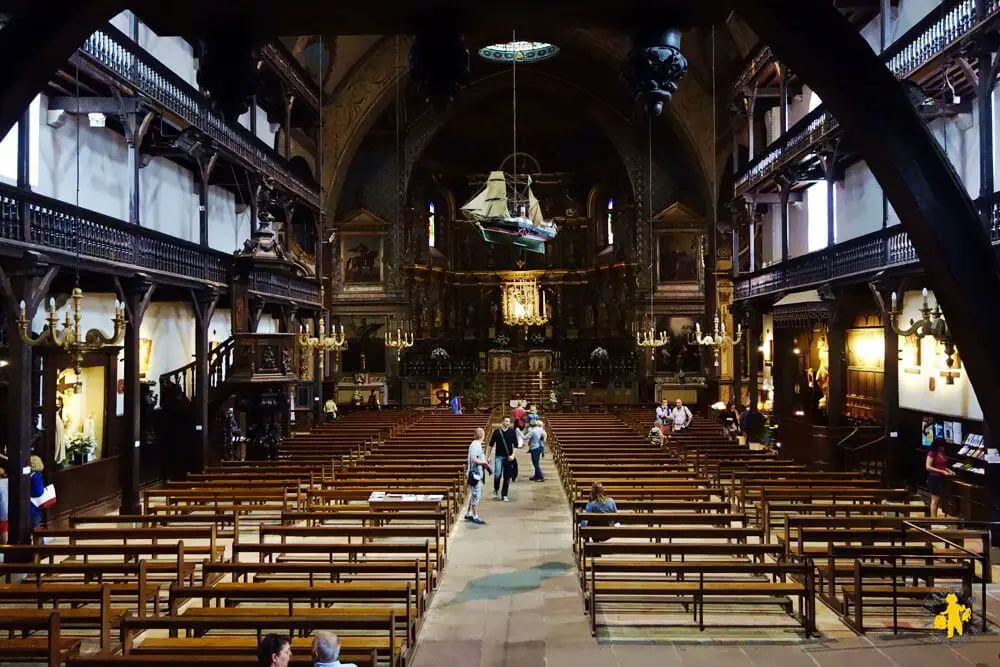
x=534, y=208
x=491, y=201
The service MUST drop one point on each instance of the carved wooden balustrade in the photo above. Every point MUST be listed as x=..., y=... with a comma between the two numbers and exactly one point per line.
x=220, y=364
x=264, y=358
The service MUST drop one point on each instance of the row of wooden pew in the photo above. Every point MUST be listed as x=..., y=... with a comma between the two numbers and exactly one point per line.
x=346, y=531
x=751, y=530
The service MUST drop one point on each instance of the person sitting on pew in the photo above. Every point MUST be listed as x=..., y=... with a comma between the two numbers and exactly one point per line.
x=274, y=651
x=656, y=435
x=326, y=651
x=936, y=464
x=600, y=503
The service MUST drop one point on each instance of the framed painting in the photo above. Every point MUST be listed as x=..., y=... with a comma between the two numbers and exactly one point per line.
x=678, y=258
x=361, y=259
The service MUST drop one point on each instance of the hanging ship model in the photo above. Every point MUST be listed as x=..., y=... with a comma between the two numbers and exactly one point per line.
x=490, y=210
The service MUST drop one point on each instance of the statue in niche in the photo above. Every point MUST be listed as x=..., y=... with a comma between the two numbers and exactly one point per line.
x=450, y=316
x=470, y=315
x=439, y=316
x=571, y=251
x=588, y=312
x=494, y=314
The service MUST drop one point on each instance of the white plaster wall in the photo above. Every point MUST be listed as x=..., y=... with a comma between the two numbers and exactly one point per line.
x=227, y=229
x=957, y=400
x=858, y=202
x=102, y=166
x=959, y=138
x=168, y=199
x=264, y=130
x=174, y=52
x=798, y=229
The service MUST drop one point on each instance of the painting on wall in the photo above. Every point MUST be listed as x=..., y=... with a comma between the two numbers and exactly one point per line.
x=678, y=257
x=361, y=258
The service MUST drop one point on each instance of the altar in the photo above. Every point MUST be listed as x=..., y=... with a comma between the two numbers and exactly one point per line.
x=355, y=390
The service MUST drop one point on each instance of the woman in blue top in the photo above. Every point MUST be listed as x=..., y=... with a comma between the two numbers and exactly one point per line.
x=600, y=503
x=37, y=488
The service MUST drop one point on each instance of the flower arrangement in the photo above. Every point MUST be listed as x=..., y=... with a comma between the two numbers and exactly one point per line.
x=599, y=354
x=537, y=339
x=439, y=354
x=80, y=448
x=502, y=340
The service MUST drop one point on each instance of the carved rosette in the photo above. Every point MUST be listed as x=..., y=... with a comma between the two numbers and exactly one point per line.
x=654, y=68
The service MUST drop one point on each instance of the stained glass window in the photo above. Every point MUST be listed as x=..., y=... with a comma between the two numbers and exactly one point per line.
x=431, y=225
x=610, y=226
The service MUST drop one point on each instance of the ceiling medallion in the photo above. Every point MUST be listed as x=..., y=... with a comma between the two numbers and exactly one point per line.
x=519, y=51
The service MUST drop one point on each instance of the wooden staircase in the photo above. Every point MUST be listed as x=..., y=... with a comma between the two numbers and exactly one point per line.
x=531, y=385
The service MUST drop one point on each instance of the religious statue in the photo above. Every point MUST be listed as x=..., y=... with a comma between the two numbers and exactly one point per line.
x=470, y=315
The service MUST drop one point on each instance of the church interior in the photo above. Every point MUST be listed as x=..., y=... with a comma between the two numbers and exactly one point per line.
x=558, y=333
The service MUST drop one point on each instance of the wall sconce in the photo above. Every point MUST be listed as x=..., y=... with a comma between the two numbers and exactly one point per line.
x=931, y=323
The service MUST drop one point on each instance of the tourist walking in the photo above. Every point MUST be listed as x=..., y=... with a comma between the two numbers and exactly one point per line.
x=476, y=466
x=936, y=464
x=536, y=447
x=503, y=442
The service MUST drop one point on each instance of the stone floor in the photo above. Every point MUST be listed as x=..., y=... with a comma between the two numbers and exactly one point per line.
x=510, y=597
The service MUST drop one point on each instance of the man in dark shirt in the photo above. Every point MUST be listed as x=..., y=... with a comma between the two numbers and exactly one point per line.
x=504, y=439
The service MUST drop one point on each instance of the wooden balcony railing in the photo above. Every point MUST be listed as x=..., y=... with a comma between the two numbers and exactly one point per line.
x=275, y=284
x=944, y=29
x=111, y=50
x=63, y=230
x=863, y=255
x=291, y=71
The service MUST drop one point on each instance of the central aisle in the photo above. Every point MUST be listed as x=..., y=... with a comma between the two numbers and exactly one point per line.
x=509, y=595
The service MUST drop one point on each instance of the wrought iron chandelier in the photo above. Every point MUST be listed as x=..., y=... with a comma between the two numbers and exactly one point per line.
x=718, y=338
x=523, y=302
x=399, y=342
x=69, y=337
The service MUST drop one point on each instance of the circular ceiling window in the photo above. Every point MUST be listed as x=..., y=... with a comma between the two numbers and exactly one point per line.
x=522, y=52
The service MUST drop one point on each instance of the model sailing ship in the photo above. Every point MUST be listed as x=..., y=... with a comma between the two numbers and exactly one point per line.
x=489, y=210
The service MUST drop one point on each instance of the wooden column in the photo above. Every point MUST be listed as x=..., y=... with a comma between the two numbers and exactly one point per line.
x=890, y=391
x=136, y=294
x=783, y=101
x=755, y=330
x=26, y=280
x=289, y=104
x=784, y=370
x=203, y=303
x=739, y=353
x=205, y=167
x=785, y=191
x=136, y=126
x=837, y=339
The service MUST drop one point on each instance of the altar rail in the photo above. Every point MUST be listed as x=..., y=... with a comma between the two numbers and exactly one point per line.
x=113, y=51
